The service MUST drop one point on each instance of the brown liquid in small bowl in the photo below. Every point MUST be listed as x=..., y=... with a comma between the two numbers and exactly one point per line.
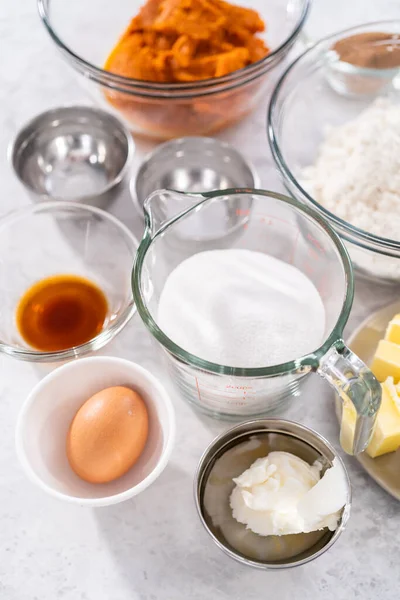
x=61, y=312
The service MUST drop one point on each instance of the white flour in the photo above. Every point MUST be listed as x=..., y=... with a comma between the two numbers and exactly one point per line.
x=357, y=172
x=241, y=309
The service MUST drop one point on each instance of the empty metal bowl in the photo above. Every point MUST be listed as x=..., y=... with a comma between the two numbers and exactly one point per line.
x=75, y=153
x=192, y=164
x=231, y=454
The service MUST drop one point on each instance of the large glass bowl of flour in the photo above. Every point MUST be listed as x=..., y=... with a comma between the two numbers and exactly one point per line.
x=334, y=132
x=247, y=291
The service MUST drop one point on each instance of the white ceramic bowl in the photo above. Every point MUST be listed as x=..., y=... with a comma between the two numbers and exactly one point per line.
x=47, y=413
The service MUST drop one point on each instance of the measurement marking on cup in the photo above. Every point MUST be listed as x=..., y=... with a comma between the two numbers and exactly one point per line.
x=315, y=243
x=308, y=268
x=269, y=220
x=264, y=218
x=323, y=285
x=227, y=393
x=198, y=389
x=244, y=389
x=232, y=395
x=294, y=249
x=211, y=387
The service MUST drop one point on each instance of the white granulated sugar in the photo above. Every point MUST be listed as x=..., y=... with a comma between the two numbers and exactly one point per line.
x=241, y=308
x=357, y=172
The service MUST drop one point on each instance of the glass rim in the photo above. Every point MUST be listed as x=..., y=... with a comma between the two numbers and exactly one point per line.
x=155, y=90
x=304, y=363
x=353, y=234
x=106, y=335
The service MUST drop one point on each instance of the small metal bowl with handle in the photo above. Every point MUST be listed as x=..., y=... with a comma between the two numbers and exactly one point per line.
x=285, y=229
x=233, y=452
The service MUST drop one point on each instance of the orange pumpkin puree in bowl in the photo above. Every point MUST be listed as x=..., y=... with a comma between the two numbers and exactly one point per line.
x=184, y=41
x=187, y=40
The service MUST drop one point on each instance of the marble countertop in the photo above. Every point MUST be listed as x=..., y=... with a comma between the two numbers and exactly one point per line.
x=154, y=547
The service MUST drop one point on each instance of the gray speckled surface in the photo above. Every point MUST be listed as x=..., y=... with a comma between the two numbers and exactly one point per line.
x=153, y=547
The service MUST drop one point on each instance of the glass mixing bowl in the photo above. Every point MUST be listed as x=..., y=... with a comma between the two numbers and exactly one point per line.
x=86, y=31
x=56, y=238
x=315, y=92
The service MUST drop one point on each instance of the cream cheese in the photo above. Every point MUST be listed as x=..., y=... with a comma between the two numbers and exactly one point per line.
x=282, y=494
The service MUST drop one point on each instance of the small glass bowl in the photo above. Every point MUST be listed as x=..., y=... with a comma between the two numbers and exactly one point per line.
x=55, y=238
x=330, y=16
x=86, y=32
x=311, y=96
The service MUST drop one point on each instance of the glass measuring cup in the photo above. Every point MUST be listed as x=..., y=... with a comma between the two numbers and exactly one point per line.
x=178, y=225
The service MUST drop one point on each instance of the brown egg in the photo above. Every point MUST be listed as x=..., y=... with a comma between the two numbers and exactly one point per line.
x=107, y=434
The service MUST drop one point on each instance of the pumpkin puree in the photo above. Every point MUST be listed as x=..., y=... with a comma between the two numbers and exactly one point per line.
x=184, y=41
x=187, y=40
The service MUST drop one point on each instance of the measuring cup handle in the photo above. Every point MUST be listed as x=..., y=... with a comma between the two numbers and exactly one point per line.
x=359, y=391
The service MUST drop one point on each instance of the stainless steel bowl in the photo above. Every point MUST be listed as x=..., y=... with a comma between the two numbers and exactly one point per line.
x=75, y=153
x=232, y=453
x=192, y=164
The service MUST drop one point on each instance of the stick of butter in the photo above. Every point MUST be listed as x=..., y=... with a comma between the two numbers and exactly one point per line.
x=386, y=437
x=393, y=330
x=386, y=361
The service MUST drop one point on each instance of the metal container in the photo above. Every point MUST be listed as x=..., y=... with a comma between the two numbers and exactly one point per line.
x=232, y=453
x=74, y=153
x=192, y=164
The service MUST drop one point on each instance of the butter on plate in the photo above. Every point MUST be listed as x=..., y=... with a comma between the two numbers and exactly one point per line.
x=393, y=330
x=386, y=361
x=386, y=437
